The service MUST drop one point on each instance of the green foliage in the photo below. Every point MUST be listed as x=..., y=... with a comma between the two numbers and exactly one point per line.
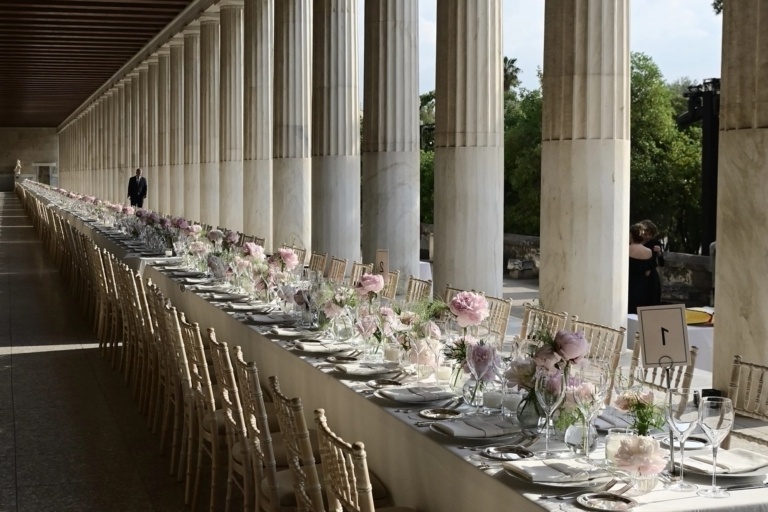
x=717, y=5
x=427, y=171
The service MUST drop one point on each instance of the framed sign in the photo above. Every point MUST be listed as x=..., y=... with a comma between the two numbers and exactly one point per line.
x=664, y=335
x=382, y=263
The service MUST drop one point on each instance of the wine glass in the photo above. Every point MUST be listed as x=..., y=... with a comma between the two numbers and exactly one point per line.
x=716, y=420
x=481, y=358
x=550, y=391
x=683, y=418
x=589, y=390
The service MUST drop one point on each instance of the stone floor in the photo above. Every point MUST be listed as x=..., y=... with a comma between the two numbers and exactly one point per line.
x=71, y=438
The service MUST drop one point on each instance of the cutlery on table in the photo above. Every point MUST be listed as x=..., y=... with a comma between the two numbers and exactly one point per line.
x=574, y=494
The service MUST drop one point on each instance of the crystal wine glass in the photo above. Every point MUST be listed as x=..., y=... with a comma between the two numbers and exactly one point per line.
x=481, y=358
x=716, y=419
x=683, y=418
x=550, y=391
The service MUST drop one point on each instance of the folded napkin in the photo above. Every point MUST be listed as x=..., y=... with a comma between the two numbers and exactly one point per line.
x=296, y=333
x=211, y=287
x=322, y=348
x=476, y=427
x=608, y=420
x=365, y=369
x=417, y=394
x=549, y=471
x=271, y=319
x=737, y=460
x=196, y=280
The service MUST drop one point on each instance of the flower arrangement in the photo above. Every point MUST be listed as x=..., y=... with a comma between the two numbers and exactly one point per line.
x=641, y=455
x=469, y=308
x=564, y=349
x=337, y=300
x=646, y=415
x=370, y=285
x=285, y=259
x=253, y=251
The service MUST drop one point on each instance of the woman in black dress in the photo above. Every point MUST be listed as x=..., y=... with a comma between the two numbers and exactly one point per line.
x=640, y=261
x=651, y=241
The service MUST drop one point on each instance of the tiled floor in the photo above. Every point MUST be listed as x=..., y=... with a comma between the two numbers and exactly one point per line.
x=71, y=438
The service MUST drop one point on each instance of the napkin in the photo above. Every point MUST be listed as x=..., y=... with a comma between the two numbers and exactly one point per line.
x=295, y=333
x=608, y=420
x=272, y=318
x=476, y=428
x=196, y=280
x=416, y=394
x=322, y=348
x=548, y=471
x=364, y=369
x=737, y=460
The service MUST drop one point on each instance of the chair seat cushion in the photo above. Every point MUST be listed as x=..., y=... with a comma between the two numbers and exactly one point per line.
x=288, y=497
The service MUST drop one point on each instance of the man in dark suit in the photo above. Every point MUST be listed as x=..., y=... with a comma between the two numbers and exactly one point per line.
x=137, y=189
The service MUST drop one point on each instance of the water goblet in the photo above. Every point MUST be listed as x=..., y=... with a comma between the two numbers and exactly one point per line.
x=683, y=418
x=716, y=420
x=550, y=392
x=481, y=358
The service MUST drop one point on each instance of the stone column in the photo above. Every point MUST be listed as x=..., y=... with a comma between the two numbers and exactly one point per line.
x=258, y=47
x=141, y=121
x=129, y=165
x=163, y=129
x=335, y=131
x=117, y=171
x=231, y=115
x=192, y=121
x=585, y=160
x=209, y=116
x=176, y=151
x=469, y=147
x=292, y=164
x=391, y=134
x=153, y=182
x=101, y=170
x=740, y=292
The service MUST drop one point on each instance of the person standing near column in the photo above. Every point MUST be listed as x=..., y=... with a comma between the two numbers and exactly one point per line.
x=137, y=189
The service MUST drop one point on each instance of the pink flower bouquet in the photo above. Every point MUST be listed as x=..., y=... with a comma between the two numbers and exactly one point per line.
x=470, y=308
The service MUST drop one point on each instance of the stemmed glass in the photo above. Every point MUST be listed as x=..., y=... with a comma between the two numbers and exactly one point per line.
x=716, y=419
x=550, y=391
x=481, y=358
x=589, y=395
x=683, y=418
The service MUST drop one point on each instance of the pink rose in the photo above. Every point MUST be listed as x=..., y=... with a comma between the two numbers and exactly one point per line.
x=431, y=330
x=482, y=358
x=289, y=258
x=547, y=358
x=470, y=308
x=231, y=237
x=215, y=235
x=370, y=283
x=572, y=346
x=129, y=210
x=331, y=309
x=254, y=251
x=366, y=326
x=641, y=454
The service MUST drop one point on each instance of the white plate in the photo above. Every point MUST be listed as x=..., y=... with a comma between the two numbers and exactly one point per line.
x=759, y=472
x=584, y=484
x=605, y=501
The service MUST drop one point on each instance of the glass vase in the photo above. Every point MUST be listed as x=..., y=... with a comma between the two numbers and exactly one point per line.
x=643, y=484
x=528, y=415
x=578, y=435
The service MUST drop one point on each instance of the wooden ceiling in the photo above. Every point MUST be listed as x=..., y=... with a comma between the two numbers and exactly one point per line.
x=55, y=53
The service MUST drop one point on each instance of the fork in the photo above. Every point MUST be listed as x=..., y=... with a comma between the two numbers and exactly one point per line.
x=574, y=494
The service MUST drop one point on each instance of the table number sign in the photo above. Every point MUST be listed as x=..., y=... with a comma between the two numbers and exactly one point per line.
x=664, y=335
x=382, y=263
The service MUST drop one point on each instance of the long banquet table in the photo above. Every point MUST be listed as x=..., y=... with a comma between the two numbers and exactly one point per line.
x=421, y=469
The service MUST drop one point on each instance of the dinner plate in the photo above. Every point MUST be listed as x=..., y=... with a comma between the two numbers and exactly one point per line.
x=510, y=452
x=605, y=501
x=341, y=359
x=759, y=472
x=692, y=443
x=583, y=484
x=381, y=383
x=440, y=413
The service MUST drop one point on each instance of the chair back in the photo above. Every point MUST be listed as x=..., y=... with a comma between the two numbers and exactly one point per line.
x=301, y=253
x=390, y=289
x=337, y=269
x=317, y=262
x=536, y=320
x=347, y=482
x=450, y=293
x=655, y=378
x=417, y=289
x=358, y=269
x=749, y=394
x=298, y=447
x=498, y=315
x=605, y=345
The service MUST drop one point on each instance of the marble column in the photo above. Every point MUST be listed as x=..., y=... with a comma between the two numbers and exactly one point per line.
x=192, y=121
x=119, y=124
x=231, y=115
x=585, y=160
x=129, y=142
x=101, y=169
x=292, y=164
x=335, y=130
x=258, y=75
x=141, y=123
x=176, y=149
x=209, y=116
x=742, y=209
x=391, y=134
x=163, y=129
x=469, y=147
x=153, y=183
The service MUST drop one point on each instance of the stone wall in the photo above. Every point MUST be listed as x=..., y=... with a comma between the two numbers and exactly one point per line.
x=30, y=145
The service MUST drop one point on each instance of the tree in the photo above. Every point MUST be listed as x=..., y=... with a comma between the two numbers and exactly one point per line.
x=717, y=5
x=427, y=172
x=511, y=72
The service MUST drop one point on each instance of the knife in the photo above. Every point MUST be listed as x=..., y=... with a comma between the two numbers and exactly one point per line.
x=743, y=487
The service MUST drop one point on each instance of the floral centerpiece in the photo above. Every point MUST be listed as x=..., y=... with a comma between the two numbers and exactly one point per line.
x=284, y=260
x=643, y=458
x=369, y=286
x=646, y=415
